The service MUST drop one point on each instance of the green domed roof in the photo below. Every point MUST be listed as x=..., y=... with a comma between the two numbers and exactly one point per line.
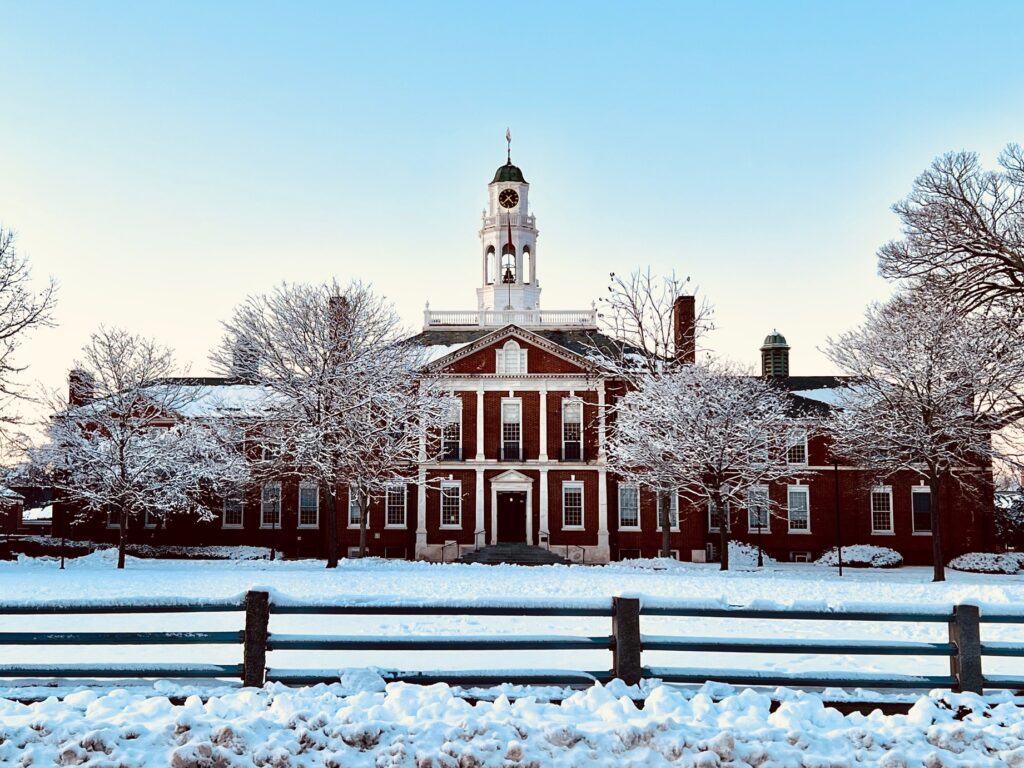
x=774, y=339
x=508, y=172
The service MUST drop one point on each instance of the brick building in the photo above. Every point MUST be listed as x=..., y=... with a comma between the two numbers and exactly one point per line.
x=523, y=459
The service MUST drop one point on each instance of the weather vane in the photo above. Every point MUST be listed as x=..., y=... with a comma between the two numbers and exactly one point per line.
x=508, y=139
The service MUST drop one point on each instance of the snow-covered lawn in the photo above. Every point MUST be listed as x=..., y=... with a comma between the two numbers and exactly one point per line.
x=94, y=578
x=362, y=722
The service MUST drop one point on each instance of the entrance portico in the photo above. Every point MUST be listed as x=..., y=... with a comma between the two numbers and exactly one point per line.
x=511, y=497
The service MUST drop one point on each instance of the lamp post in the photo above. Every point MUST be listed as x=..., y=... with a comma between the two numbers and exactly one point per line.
x=760, y=548
x=839, y=517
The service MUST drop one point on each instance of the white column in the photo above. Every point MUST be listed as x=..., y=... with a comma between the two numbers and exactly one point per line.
x=479, y=524
x=601, y=455
x=421, y=498
x=544, y=527
x=480, y=421
x=602, y=511
x=543, y=453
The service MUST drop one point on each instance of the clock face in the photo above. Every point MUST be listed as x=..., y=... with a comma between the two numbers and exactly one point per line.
x=508, y=198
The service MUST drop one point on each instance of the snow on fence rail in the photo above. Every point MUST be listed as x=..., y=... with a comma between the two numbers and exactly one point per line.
x=626, y=643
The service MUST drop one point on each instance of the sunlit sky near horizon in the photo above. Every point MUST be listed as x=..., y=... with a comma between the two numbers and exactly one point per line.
x=165, y=160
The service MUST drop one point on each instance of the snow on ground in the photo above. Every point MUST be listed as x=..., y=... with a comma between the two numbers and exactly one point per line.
x=94, y=578
x=369, y=724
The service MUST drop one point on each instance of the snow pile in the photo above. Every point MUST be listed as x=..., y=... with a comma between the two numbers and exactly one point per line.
x=863, y=556
x=427, y=726
x=52, y=545
x=743, y=556
x=989, y=562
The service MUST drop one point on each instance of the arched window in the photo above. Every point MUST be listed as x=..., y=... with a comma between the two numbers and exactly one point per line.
x=489, y=264
x=510, y=359
x=508, y=264
x=527, y=264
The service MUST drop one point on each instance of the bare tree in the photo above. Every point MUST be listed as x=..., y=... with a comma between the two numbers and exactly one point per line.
x=931, y=388
x=963, y=230
x=709, y=432
x=349, y=406
x=127, y=444
x=23, y=308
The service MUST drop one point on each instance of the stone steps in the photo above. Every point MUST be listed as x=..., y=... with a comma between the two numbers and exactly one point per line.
x=516, y=554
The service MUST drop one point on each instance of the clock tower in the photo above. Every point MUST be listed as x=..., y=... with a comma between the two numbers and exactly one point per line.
x=508, y=242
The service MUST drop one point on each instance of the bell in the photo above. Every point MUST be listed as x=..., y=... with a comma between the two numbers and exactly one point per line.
x=508, y=277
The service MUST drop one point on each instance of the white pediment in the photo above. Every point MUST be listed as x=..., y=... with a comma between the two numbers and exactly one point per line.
x=512, y=477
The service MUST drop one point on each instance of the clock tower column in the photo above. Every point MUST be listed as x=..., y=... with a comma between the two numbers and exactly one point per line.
x=508, y=241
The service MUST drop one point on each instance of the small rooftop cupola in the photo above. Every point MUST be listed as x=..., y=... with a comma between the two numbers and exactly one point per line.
x=775, y=356
x=508, y=243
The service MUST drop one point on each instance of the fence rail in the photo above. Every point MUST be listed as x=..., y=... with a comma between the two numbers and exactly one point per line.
x=626, y=643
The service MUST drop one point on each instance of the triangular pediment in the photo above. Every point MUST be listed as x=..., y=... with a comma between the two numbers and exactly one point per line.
x=490, y=341
x=512, y=477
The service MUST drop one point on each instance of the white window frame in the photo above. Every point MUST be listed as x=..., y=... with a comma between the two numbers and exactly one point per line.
x=447, y=487
x=574, y=485
x=673, y=510
x=241, y=511
x=636, y=490
x=454, y=420
x=518, y=402
x=797, y=438
x=752, y=526
x=307, y=485
x=111, y=521
x=921, y=489
x=510, y=359
x=273, y=485
x=404, y=490
x=805, y=491
x=149, y=520
x=881, y=490
x=352, y=496
x=725, y=515
x=567, y=403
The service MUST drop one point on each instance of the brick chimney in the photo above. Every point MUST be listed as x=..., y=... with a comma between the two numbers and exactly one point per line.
x=684, y=329
x=81, y=387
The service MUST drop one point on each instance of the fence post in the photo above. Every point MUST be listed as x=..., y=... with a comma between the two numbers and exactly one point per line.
x=626, y=639
x=965, y=634
x=254, y=655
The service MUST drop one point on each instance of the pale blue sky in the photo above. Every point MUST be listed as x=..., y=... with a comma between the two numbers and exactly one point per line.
x=164, y=160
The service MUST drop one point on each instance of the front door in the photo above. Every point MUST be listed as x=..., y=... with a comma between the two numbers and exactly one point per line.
x=512, y=517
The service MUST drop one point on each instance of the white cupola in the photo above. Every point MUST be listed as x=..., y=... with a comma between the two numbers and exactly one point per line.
x=508, y=243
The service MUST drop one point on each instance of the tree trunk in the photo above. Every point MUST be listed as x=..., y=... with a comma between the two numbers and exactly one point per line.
x=723, y=537
x=362, y=523
x=666, y=528
x=122, y=538
x=938, y=561
x=332, y=527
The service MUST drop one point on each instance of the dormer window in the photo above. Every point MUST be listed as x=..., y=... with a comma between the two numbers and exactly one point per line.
x=511, y=359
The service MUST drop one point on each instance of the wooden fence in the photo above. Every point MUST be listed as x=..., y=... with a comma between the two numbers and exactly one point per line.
x=964, y=649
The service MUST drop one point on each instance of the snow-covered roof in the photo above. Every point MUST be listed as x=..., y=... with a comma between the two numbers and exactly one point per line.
x=38, y=513
x=7, y=493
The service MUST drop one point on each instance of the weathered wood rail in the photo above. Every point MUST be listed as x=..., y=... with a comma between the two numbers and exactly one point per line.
x=964, y=649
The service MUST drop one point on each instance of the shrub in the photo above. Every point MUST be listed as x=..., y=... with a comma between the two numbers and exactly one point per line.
x=989, y=562
x=743, y=556
x=863, y=556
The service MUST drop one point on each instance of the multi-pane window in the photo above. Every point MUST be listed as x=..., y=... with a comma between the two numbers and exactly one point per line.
x=757, y=509
x=572, y=429
x=511, y=429
x=572, y=505
x=629, y=506
x=451, y=434
x=510, y=360
x=270, y=506
x=113, y=518
x=395, y=506
x=232, y=517
x=796, y=447
x=715, y=517
x=921, y=504
x=881, y=510
x=309, y=505
x=799, y=507
x=672, y=499
x=353, y=508
x=149, y=520
x=451, y=504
